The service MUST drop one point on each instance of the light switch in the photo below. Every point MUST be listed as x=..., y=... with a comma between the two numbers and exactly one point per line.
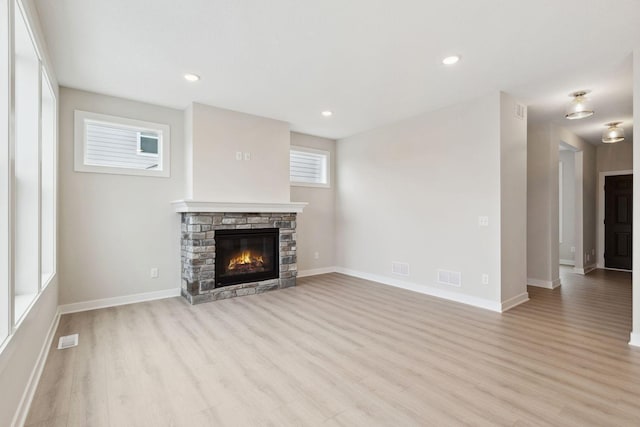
x=483, y=221
x=238, y=155
x=247, y=156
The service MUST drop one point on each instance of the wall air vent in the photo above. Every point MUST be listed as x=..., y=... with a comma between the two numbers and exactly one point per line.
x=400, y=268
x=451, y=278
x=520, y=111
x=68, y=341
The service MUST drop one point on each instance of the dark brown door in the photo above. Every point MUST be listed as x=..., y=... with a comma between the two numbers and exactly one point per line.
x=618, y=221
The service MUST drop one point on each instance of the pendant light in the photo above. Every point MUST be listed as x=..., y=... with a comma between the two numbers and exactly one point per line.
x=579, y=107
x=613, y=133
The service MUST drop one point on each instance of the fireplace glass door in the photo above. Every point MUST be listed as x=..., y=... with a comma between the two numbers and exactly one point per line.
x=244, y=256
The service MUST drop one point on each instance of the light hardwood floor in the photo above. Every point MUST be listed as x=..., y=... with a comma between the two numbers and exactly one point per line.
x=336, y=350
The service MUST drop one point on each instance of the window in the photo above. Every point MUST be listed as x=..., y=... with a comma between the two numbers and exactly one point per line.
x=28, y=141
x=148, y=143
x=4, y=173
x=48, y=128
x=309, y=167
x=109, y=144
x=26, y=221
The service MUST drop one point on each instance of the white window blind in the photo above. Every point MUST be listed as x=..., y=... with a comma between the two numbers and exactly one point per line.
x=309, y=167
x=118, y=145
x=108, y=145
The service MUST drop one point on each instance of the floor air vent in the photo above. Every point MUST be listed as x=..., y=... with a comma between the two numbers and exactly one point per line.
x=68, y=341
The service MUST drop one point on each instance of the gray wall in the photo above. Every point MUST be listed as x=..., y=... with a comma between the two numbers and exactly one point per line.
x=543, y=247
x=542, y=197
x=316, y=224
x=567, y=158
x=413, y=191
x=615, y=157
x=586, y=174
x=635, y=334
x=115, y=228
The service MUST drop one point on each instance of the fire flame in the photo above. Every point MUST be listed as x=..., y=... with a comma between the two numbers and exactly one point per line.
x=245, y=258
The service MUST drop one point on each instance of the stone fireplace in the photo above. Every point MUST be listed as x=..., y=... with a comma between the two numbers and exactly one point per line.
x=230, y=250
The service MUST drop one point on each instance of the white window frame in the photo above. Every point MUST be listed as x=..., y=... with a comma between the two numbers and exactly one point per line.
x=139, y=147
x=324, y=153
x=81, y=118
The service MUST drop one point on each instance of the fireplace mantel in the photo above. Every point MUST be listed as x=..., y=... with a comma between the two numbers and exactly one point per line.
x=187, y=206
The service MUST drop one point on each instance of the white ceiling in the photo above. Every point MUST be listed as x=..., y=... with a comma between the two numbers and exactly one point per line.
x=371, y=62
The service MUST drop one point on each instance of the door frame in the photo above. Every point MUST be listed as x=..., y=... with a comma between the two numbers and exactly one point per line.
x=600, y=216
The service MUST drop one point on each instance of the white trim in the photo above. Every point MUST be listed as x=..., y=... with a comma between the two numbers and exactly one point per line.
x=567, y=262
x=560, y=200
x=547, y=284
x=600, y=213
x=424, y=289
x=634, y=339
x=316, y=271
x=20, y=416
x=515, y=301
x=587, y=269
x=115, y=301
x=183, y=206
x=616, y=269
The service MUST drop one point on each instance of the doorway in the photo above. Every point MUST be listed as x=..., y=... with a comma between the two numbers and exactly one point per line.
x=618, y=222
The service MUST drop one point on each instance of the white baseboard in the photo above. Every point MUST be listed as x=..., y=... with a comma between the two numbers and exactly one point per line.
x=634, y=339
x=567, y=262
x=512, y=302
x=30, y=390
x=115, y=301
x=316, y=271
x=618, y=269
x=424, y=289
x=547, y=284
x=586, y=269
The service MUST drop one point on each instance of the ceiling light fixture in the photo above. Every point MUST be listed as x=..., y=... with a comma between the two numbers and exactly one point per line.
x=327, y=113
x=450, y=60
x=191, y=77
x=579, y=107
x=613, y=133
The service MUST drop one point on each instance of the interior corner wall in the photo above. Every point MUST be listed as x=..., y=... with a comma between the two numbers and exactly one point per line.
x=542, y=206
x=188, y=152
x=567, y=158
x=635, y=333
x=218, y=176
x=115, y=228
x=513, y=204
x=315, y=232
x=586, y=208
x=412, y=192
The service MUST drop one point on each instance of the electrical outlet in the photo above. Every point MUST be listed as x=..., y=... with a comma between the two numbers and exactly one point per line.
x=485, y=279
x=154, y=273
x=316, y=255
x=238, y=155
x=573, y=249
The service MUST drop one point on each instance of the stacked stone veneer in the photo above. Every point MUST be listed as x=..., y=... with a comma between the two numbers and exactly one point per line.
x=198, y=253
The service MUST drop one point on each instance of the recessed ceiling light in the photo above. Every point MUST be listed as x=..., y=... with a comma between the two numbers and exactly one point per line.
x=327, y=113
x=450, y=60
x=191, y=77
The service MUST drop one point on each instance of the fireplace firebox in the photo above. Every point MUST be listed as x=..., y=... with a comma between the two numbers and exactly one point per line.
x=246, y=256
